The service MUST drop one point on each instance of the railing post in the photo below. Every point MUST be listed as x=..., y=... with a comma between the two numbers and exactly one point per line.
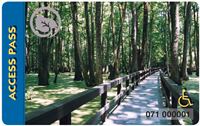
x=132, y=81
x=149, y=72
x=166, y=92
x=103, y=103
x=141, y=75
x=174, y=105
x=195, y=117
x=127, y=87
x=145, y=75
x=174, y=102
x=66, y=120
x=137, y=79
x=118, y=92
x=168, y=96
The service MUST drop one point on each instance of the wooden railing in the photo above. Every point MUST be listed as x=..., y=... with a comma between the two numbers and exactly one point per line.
x=172, y=92
x=62, y=110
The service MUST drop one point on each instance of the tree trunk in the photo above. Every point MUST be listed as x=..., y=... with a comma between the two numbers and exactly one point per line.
x=174, y=69
x=187, y=24
x=111, y=67
x=58, y=46
x=133, y=39
x=90, y=60
x=150, y=35
x=167, y=42
x=190, y=57
x=28, y=66
x=130, y=57
x=108, y=47
x=78, y=71
x=138, y=35
x=43, y=59
x=145, y=36
x=99, y=77
x=170, y=36
x=92, y=38
x=197, y=41
x=122, y=8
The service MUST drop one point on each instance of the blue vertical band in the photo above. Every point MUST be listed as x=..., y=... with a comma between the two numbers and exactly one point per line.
x=13, y=52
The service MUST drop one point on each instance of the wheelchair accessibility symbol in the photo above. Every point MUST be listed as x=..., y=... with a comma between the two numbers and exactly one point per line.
x=184, y=100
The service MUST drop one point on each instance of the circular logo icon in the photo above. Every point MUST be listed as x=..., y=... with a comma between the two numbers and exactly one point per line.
x=43, y=25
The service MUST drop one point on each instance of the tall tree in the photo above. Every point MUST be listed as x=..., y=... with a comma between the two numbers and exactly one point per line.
x=43, y=57
x=166, y=35
x=190, y=56
x=92, y=33
x=78, y=71
x=108, y=45
x=112, y=26
x=28, y=45
x=99, y=56
x=196, y=20
x=58, y=48
x=144, y=36
x=168, y=22
x=187, y=24
x=89, y=44
x=111, y=66
x=138, y=34
x=150, y=33
x=122, y=9
x=133, y=38
x=174, y=67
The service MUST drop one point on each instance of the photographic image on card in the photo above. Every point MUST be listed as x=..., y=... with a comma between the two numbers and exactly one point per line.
x=107, y=62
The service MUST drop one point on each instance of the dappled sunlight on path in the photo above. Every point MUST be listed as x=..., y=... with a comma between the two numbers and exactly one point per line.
x=131, y=111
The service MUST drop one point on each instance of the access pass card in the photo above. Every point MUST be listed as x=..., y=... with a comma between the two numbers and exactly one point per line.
x=100, y=63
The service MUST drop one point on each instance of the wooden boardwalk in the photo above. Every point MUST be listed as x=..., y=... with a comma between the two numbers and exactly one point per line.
x=146, y=96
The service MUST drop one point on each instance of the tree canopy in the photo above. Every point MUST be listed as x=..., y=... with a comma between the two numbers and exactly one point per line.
x=116, y=38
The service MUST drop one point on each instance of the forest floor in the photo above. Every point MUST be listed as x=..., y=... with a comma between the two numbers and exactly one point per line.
x=42, y=96
x=192, y=86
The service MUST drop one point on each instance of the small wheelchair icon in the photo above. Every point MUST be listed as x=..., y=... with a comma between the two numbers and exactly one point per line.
x=184, y=100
